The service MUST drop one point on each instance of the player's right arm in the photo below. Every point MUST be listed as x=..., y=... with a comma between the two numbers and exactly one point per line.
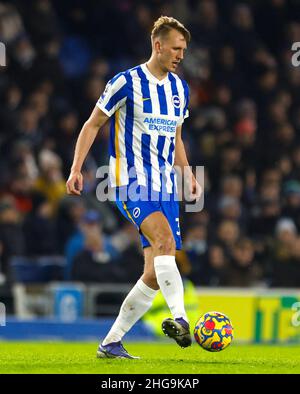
x=84, y=142
x=113, y=97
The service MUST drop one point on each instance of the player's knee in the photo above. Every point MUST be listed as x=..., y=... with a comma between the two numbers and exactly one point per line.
x=164, y=244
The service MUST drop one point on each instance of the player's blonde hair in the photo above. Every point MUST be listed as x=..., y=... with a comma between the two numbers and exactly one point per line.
x=164, y=24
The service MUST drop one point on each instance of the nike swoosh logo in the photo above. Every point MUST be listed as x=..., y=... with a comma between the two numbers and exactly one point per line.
x=146, y=98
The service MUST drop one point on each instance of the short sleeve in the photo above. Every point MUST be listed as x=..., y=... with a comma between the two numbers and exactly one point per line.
x=185, y=110
x=114, y=95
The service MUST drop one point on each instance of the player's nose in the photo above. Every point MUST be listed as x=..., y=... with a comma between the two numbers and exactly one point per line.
x=180, y=55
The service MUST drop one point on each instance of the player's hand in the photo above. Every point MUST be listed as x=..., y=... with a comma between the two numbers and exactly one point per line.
x=74, y=184
x=195, y=189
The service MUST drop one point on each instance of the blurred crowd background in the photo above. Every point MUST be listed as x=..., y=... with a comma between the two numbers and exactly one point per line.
x=243, y=127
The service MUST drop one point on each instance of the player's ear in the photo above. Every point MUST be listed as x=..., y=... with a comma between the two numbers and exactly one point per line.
x=157, y=46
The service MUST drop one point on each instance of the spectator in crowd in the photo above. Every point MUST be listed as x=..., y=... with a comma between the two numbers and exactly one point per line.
x=90, y=197
x=228, y=232
x=285, y=254
x=230, y=208
x=291, y=203
x=21, y=189
x=85, y=240
x=131, y=256
x=39, y=228
x=68, y=218
x=94, y=254
x=196, y=246
x=243, y=270
x=51, y=181
x=263, y=221
x=65, y=137
x=11, y=234
x=217, y=268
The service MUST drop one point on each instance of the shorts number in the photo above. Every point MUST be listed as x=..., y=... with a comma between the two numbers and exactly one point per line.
x=178, y=231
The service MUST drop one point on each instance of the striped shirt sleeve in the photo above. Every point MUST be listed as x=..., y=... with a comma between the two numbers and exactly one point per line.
x=114, y=95
x=185, y=111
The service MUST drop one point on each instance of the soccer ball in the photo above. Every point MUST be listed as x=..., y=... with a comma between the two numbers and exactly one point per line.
x=213, y=331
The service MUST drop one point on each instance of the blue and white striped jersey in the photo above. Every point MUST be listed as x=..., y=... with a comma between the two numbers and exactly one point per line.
x=144, y=115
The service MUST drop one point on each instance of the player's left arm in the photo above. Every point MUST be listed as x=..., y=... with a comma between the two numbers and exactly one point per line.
x=181, y=161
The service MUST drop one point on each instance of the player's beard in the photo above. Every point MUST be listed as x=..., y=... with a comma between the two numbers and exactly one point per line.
x=170, y=67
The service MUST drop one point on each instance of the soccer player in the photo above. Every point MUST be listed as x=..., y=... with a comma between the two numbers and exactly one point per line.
x=147, y=106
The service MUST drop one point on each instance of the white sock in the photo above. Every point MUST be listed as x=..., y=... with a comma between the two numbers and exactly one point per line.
x=135, y=305
x=170, y=283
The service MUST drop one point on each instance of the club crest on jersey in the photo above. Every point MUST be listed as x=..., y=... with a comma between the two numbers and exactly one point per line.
x=176, y=101
x=136, y=212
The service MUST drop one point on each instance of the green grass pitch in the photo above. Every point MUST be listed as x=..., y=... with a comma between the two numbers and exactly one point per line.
x=156, y=357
